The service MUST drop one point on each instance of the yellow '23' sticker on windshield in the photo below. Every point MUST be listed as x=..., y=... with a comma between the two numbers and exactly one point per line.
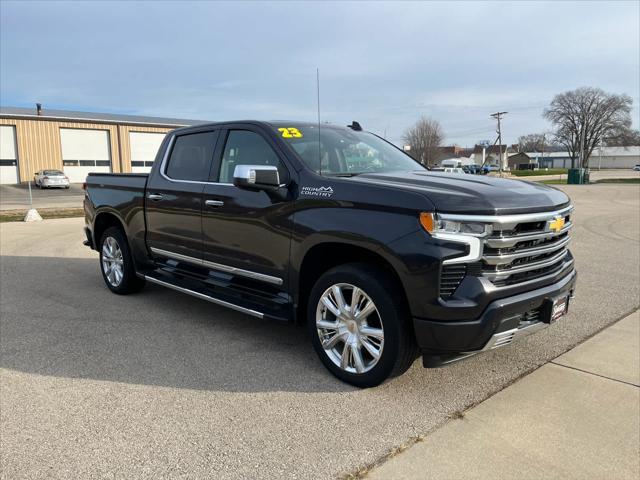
x=290, y=133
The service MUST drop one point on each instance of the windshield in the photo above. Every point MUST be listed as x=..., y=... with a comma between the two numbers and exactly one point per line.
x=344, y=152
x=53, y=172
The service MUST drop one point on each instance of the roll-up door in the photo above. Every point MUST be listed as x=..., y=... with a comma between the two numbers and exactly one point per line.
x=84, y=151
x=8, y=155
x=144, y=147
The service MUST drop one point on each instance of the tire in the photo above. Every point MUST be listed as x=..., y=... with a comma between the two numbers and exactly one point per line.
x=385, y=328
x=116, y=263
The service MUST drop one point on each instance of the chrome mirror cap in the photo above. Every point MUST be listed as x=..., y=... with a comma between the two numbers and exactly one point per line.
x=256, y=176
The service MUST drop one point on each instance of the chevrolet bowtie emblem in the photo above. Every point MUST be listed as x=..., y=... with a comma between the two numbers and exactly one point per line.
x=556, y=224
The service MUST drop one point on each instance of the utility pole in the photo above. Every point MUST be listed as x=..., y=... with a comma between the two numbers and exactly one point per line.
x=600, y=155
x=497, y=116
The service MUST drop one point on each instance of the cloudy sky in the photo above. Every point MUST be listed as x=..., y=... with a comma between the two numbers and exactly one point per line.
x=383, y=64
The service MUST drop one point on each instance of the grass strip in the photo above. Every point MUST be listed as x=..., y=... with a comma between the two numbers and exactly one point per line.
x=535, y=173
x=45, y=213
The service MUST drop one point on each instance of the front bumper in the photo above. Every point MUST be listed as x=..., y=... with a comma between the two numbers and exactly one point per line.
x=499, y=324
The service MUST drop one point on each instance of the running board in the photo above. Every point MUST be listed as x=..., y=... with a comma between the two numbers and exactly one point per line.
x=203, y=296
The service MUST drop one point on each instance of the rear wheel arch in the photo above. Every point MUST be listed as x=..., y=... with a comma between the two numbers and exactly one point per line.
x=102, y=222
x=323, y=257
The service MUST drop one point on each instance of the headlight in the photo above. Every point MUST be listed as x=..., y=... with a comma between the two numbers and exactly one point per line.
x=435, y=225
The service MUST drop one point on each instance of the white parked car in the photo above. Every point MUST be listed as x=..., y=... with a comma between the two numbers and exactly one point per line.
x=636, y=168
x=51, y=179
x=453, y=170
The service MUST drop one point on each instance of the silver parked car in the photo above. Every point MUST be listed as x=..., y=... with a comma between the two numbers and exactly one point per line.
x=51, y=179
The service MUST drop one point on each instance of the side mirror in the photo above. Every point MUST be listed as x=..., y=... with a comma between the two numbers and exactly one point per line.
x=256, y=177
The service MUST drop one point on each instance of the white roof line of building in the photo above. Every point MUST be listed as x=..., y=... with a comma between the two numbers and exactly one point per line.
x=87, y=120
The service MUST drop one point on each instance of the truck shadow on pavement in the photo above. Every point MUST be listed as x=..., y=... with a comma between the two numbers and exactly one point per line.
x=59, y=319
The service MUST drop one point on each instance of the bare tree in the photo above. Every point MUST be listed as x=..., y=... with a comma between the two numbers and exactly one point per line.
x=630, y=137
x=534, y=142
x=424, y=138
x=585, y=116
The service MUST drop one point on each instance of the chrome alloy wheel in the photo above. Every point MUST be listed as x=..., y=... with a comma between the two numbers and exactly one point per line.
x=350, y=328
x=112, y=264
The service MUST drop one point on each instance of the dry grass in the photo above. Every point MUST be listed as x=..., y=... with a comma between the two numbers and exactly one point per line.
x=361, y=472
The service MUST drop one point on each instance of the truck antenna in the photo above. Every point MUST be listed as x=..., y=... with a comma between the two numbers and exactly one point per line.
x=319, y=146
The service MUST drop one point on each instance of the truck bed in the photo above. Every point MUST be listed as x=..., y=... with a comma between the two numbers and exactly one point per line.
x=123, y=191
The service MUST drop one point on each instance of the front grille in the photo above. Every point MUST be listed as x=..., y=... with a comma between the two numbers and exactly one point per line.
x=450, y=278
x=517, y=252
x=518, y=249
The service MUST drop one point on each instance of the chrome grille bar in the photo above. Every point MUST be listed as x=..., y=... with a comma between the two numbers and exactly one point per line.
x=508, y=222
x=505, y=258
x=510, y=241
x=500, y=274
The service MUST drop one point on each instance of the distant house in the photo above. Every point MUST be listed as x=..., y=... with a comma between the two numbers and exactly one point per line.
x=521, y=161
x=451, y=151
x=551, y=159
x=491, y=155
x=605, y=157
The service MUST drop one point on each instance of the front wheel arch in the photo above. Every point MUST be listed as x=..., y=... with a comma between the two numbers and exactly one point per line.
x=324, y=256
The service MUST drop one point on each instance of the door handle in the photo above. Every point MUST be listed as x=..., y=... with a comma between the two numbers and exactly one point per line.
x=154, y=196
x=214, y=203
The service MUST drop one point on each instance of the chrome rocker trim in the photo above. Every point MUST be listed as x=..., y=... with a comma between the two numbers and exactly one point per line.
x=218, y=266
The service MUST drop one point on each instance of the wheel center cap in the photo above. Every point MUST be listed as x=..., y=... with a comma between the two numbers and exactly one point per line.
x=352, y=326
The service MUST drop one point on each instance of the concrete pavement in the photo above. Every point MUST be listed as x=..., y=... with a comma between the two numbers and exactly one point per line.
x=16, y=197
x=162, y=385
x=576, y=417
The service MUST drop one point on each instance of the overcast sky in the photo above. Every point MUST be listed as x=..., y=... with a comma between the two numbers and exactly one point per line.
x=383, y=64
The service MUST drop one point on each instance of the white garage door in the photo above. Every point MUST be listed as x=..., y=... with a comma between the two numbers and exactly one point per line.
x=8, y=155
x=84, y=151
x=144, y=147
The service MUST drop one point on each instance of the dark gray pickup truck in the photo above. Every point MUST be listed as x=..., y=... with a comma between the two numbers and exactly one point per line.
x=339, y=230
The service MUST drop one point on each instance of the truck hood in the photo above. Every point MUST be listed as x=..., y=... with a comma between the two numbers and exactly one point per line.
x=473, y=194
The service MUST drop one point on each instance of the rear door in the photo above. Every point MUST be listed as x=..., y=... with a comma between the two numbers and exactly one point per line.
x=174, y=197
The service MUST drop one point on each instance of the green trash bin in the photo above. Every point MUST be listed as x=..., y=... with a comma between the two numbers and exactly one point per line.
x=573, y=176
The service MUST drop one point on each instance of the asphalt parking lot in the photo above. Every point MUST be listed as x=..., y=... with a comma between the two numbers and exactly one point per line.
x=14, y=197
x=159, y=384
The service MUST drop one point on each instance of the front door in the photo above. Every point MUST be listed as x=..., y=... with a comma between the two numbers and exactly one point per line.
x=174, y=197
x=246, y=234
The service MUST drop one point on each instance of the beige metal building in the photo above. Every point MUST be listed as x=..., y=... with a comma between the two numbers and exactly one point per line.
x=77, y=142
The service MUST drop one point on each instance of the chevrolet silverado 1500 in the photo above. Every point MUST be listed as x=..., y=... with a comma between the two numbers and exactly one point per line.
x=337, y=229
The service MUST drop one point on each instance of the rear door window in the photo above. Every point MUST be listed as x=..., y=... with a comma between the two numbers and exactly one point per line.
x=191, y=157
